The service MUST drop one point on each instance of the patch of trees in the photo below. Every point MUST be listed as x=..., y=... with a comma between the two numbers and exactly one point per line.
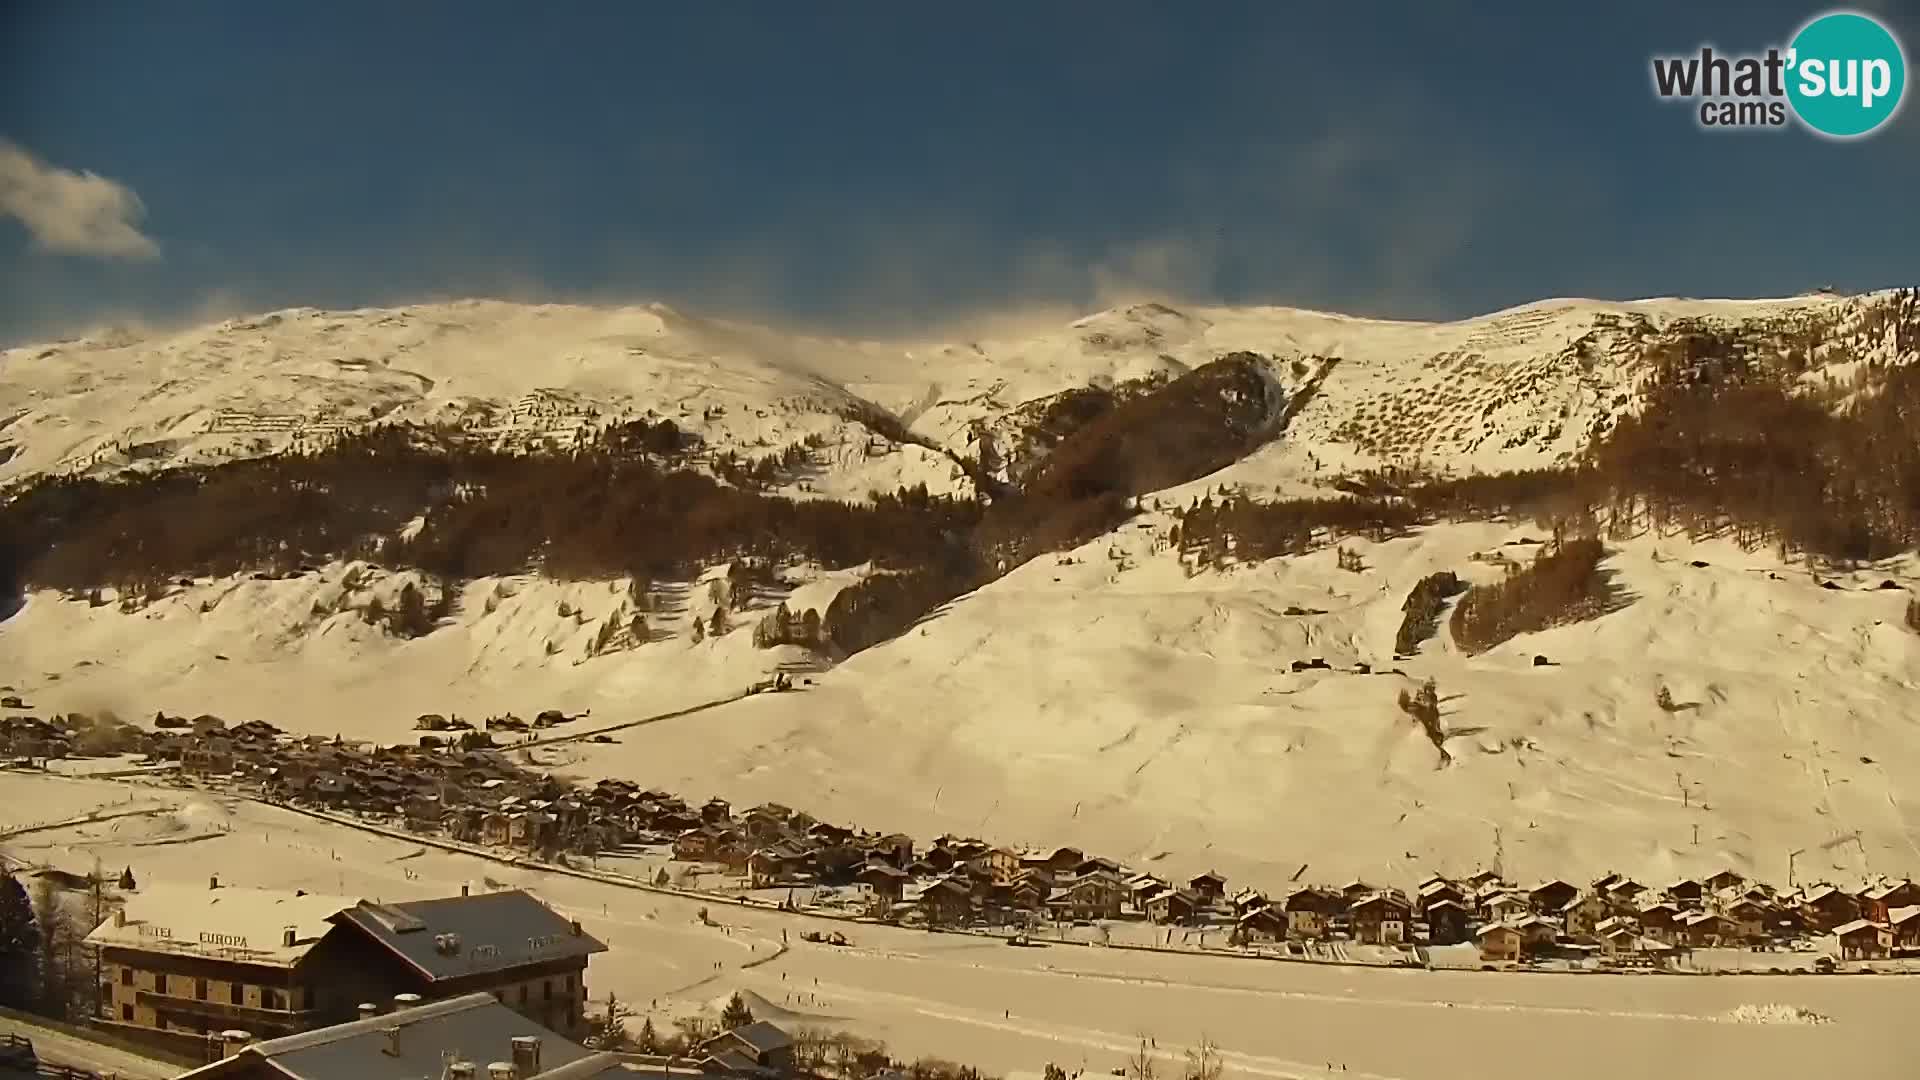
x=46, y=967
x=1210, y=530
x=1180, y=431
x=592, y=513
x=1745, y=456
x=19, y=945
x=413, y=614
x=886, y=605
x=1045, y=424
x=661, y=439
x=1422, y=609
x=1196, y=424
x=268, y=514
x=1913, y=615
x=1564, y=584
x=783, y=627
x=766, y=471
x=1724, y=447
x=1423, y=705
x=12, y=570
x=736, y=1014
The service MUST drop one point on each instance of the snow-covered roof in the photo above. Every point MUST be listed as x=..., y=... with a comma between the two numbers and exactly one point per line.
x=1855, y=926
x=228, y=922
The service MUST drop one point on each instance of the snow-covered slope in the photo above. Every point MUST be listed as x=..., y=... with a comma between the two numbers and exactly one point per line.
x=514, y=374
x=1111, y=700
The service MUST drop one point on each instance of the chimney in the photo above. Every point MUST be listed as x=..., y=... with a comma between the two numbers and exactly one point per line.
x=368, y=1010
x=119, y=916
x=526, y=1054
x=500, y=1070
x=392, y=1032
x=213, y=881
x=575, y=926
x=405, y=1001
x=288, y=936
x=233, y=1040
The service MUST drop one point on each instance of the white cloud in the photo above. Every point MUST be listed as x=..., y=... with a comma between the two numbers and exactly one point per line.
x=72, y=213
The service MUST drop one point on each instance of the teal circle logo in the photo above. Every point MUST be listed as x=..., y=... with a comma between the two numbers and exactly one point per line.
x=1846, y=74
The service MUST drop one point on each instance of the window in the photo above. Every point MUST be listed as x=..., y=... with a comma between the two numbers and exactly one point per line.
x=237, y=993
x=272, y=999
x=200, y=989
x=523, y=993
x=126, y=976
x=546, y=989
x=570, y=985
x=126, y=1013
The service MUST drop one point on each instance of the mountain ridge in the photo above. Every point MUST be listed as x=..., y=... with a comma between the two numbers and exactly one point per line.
x=283, y=379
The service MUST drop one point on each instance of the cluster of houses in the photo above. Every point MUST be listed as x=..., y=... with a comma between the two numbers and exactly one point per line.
x=29, y=737
x=958, y=882
x=1626, y=922
x=469, y=791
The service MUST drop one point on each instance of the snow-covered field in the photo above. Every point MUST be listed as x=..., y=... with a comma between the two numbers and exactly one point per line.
x=1012, y=1010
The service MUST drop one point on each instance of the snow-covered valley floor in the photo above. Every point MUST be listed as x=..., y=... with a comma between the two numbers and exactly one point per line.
x=1012, y=1010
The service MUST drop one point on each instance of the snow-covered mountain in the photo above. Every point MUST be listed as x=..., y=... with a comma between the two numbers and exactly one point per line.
x=1520, y=388
x=1109, y=695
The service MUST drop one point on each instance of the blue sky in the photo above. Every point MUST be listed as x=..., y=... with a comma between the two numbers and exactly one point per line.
x=887, y=168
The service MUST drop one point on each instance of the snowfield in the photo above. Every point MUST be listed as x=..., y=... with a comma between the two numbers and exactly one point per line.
x=1010, y=1011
